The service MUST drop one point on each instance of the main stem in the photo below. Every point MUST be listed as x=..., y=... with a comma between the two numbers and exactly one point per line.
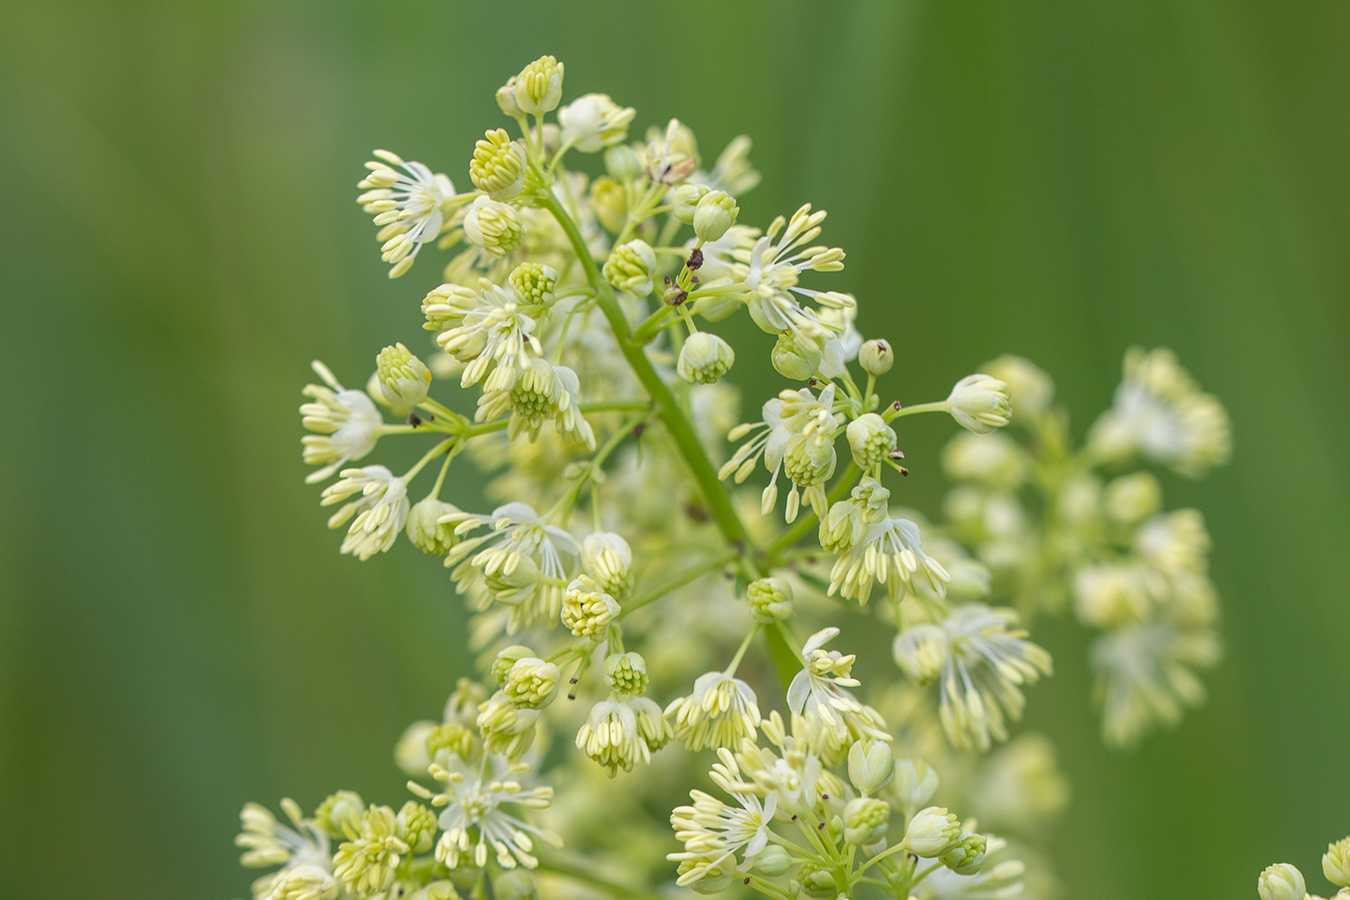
x=667, y=406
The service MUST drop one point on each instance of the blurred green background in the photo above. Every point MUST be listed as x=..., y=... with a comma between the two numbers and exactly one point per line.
x=178, y=633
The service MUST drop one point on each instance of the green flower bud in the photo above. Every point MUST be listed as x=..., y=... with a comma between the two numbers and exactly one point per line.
x=410, y=753
x=425, y=529
x=865, y=820
x=914, y=783
x=870, y=439
x=772, y=861
x=496, y=227
x=498, y=165
x=631, y=266
x=876, y=357
x=932, y=832
x=506, y=99
x=531, y=683
x=967, y=855
x=534, y=284
x=816, y=881
x=715, y=213
x=808, y=462
x=704, y=358
x=501, y=666
x=623, y=163
x=871, y=765
x=980, y=403
x=539, y=86
x=627, y=673
x=340, y=812
x=610, y=201
x=416, y=826
x=1336, y=863
x=684, y=200
x=1130, y=499
x=711, y=881
x=770, y=599
x=403, y=377
x=1281, y=882
x=792, y=360
x=608, y=559
x=586, y=609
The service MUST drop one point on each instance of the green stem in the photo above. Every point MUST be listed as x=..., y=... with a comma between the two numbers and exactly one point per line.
x=439, y=448
x=667, y=406
x=687, y=577
x=936, y=406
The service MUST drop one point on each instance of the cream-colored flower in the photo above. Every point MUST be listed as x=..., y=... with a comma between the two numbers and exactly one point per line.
x=594, y=121
x=347, y=423
x=410, y=206
x=720, y=712
x=380, y=511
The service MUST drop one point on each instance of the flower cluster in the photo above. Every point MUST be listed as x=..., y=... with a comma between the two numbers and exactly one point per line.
x=1283, y=881
x=634, y=603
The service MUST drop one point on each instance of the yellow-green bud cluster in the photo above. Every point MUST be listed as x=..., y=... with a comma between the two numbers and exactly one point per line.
x=870, y=439
x=538, y=87
x=608, y=559
x=704, y=358
x=416, y=826
x=770, y=599
x=980, y=403
x=587, y=610
x=627, y=673
x=793, y=359
x=808, y=463
x=871, y=765
x=609, y=199
x=340, y=812
x=495, y=227
x=425, y=529
x=505, y=659
x=865, y=820
x=967, y=855
x=684, y=201
x=446, y=306
x=1336, y=863
x=403, y=377
x=366, y=863
x=631, y=266
x=932, y=832
x=498, y=165
x=532, y=683
x=715, y=213
x=1281, y=882
x=534, y=284
x=452, y=737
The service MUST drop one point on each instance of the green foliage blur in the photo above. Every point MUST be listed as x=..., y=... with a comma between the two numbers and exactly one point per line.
x=179, y=238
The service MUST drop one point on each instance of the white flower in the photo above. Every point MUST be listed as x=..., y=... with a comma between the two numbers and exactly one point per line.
x=713, y=832
x=1144, y=676
x=487, y=328
x=520, y=561
x=594, y=121
x=704, y=358
x=608, y=559
x=719, y=713
x=819, y=689
x=769, y=273
x=475, y=800
x=380, y=511
x=302, y=851
x=539, y=391
x=611, y=737
x=985, y=663
x=347, y=421
x=890, y=552
x=631, y=267
x=409, y=206
x=1161, y=413
x=798, y=429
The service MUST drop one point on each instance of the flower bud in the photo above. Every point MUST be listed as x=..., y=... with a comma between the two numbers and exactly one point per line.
x=496, y=227
x=932, y=832
x=871, y=765
x=425, y=529
x=715, y=213
x=534, y=283
x=792, y=360
x=772, y=861
x=627, y=673
x=865, y=820
x=623, y=163
x=704, y=358
x=713, y=880
x=980, y=403
x=593, y=121
x=340, y=812
x=410, y=753
x=586, y=609
x=1281, y=882
x=608, y=559
x=539, y=86
x=684, y=201
x=914, y=783
x=506, y=99
x=1336, y=863
x=843, y=526
x=505, y=659
x=809, y=462
x=610, y=201
x=531, y=683
x=967, y=855
x=816, y=882
x=1130, y=499
x=416, y=826
x=876, y=357
x=630, y=267
x=403, y=377
x=921, y=651
x=870, y=439
x=770, y=599
x=498, y=165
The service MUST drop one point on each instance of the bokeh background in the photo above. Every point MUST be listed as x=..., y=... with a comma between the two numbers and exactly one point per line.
x=178, y=239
